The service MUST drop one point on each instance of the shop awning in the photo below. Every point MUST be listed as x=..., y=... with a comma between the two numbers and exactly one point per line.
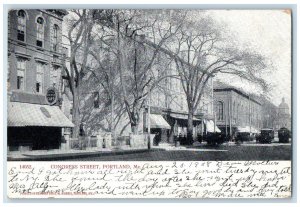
x=26, y=114
x=182, y=116
x=247, y=129
x=210, y=126
x=157, y=121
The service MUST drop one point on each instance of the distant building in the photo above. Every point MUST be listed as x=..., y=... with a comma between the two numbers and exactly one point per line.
x=269, y=113
x=283, y=116
x=235, y=110
x=35, y=60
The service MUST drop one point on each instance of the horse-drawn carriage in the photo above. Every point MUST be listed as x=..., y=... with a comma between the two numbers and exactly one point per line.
x=266, y=136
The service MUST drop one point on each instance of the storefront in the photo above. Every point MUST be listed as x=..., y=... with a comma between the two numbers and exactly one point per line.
x=169, y=125
x=211, y=126
x=160, y=127
x=179, y=123
x=35, y=126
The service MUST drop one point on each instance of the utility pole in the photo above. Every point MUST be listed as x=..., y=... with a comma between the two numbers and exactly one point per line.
x=249, y=113
x=214, y=122
x=212, y=103
x=226, y=131
x=149, y=124
x=230, y=112
x=202, y=126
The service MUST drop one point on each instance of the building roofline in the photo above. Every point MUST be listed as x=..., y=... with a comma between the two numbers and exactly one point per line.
x=237, y=91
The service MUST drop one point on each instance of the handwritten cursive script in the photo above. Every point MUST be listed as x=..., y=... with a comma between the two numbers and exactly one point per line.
x=205, y=179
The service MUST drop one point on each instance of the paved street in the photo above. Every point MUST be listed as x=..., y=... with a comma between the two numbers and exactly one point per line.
x=245, y=151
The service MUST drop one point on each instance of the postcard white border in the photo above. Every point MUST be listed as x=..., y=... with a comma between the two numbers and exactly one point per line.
x=212, y=4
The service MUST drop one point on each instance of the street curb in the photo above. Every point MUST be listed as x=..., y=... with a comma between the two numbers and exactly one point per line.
x=61, y=157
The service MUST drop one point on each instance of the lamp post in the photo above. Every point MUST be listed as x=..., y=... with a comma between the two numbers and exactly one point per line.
x=149, y=124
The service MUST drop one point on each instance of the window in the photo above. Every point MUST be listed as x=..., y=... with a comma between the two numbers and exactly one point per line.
x=220, y=111
x=21, y=67
x=55, y=38
x=21, y=25
x=39, y=77
x=55, y=74
x=40, y=32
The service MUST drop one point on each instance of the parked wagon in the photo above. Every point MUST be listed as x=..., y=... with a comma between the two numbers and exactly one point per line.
x=266, y=136
x=284, y=134
x=242, y=137
x=214, y=138
x=245, y=134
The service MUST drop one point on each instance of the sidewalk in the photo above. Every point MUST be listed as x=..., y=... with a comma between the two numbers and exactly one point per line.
x=60, y=155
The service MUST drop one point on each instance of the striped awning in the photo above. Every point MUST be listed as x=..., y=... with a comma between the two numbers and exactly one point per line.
x=211, y=127
x=157, y=121
x=26, y=114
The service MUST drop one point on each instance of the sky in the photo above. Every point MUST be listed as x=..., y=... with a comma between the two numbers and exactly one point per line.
x=269, y=32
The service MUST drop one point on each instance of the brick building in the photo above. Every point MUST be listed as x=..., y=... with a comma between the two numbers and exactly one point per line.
x=236, y=110
x=35, y=61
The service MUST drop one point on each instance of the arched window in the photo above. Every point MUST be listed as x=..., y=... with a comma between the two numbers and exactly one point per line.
x=40, y=32
x=21, y=25
x=55, y=38
x=220, y=110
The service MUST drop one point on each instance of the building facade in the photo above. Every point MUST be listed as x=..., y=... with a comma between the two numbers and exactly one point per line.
x=235, y=110
x=35, y=63
x=169, y=100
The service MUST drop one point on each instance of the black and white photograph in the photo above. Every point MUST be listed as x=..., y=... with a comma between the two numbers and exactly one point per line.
x=148, y=85
x=149, y=103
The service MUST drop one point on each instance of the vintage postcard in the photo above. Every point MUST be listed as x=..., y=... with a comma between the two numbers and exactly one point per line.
x=149, y=103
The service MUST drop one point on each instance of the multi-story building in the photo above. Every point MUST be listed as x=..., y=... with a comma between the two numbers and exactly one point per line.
x=170, y=110
x=236, y=110
x=35, y=61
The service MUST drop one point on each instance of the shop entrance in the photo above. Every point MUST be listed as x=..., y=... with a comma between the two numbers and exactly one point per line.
x=34, y=138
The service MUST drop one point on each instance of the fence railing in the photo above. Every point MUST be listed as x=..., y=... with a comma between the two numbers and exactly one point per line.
x=83, y=143
x=105, y=141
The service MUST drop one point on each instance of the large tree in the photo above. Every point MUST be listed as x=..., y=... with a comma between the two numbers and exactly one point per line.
x=80, y=25
x=207, y=52
x=135, y=58
x=125, y=78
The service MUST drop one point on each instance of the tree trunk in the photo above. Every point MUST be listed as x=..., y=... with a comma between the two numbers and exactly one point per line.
x=75, y=113
x=190, y=127
x=134, y=121
x=134, y=128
